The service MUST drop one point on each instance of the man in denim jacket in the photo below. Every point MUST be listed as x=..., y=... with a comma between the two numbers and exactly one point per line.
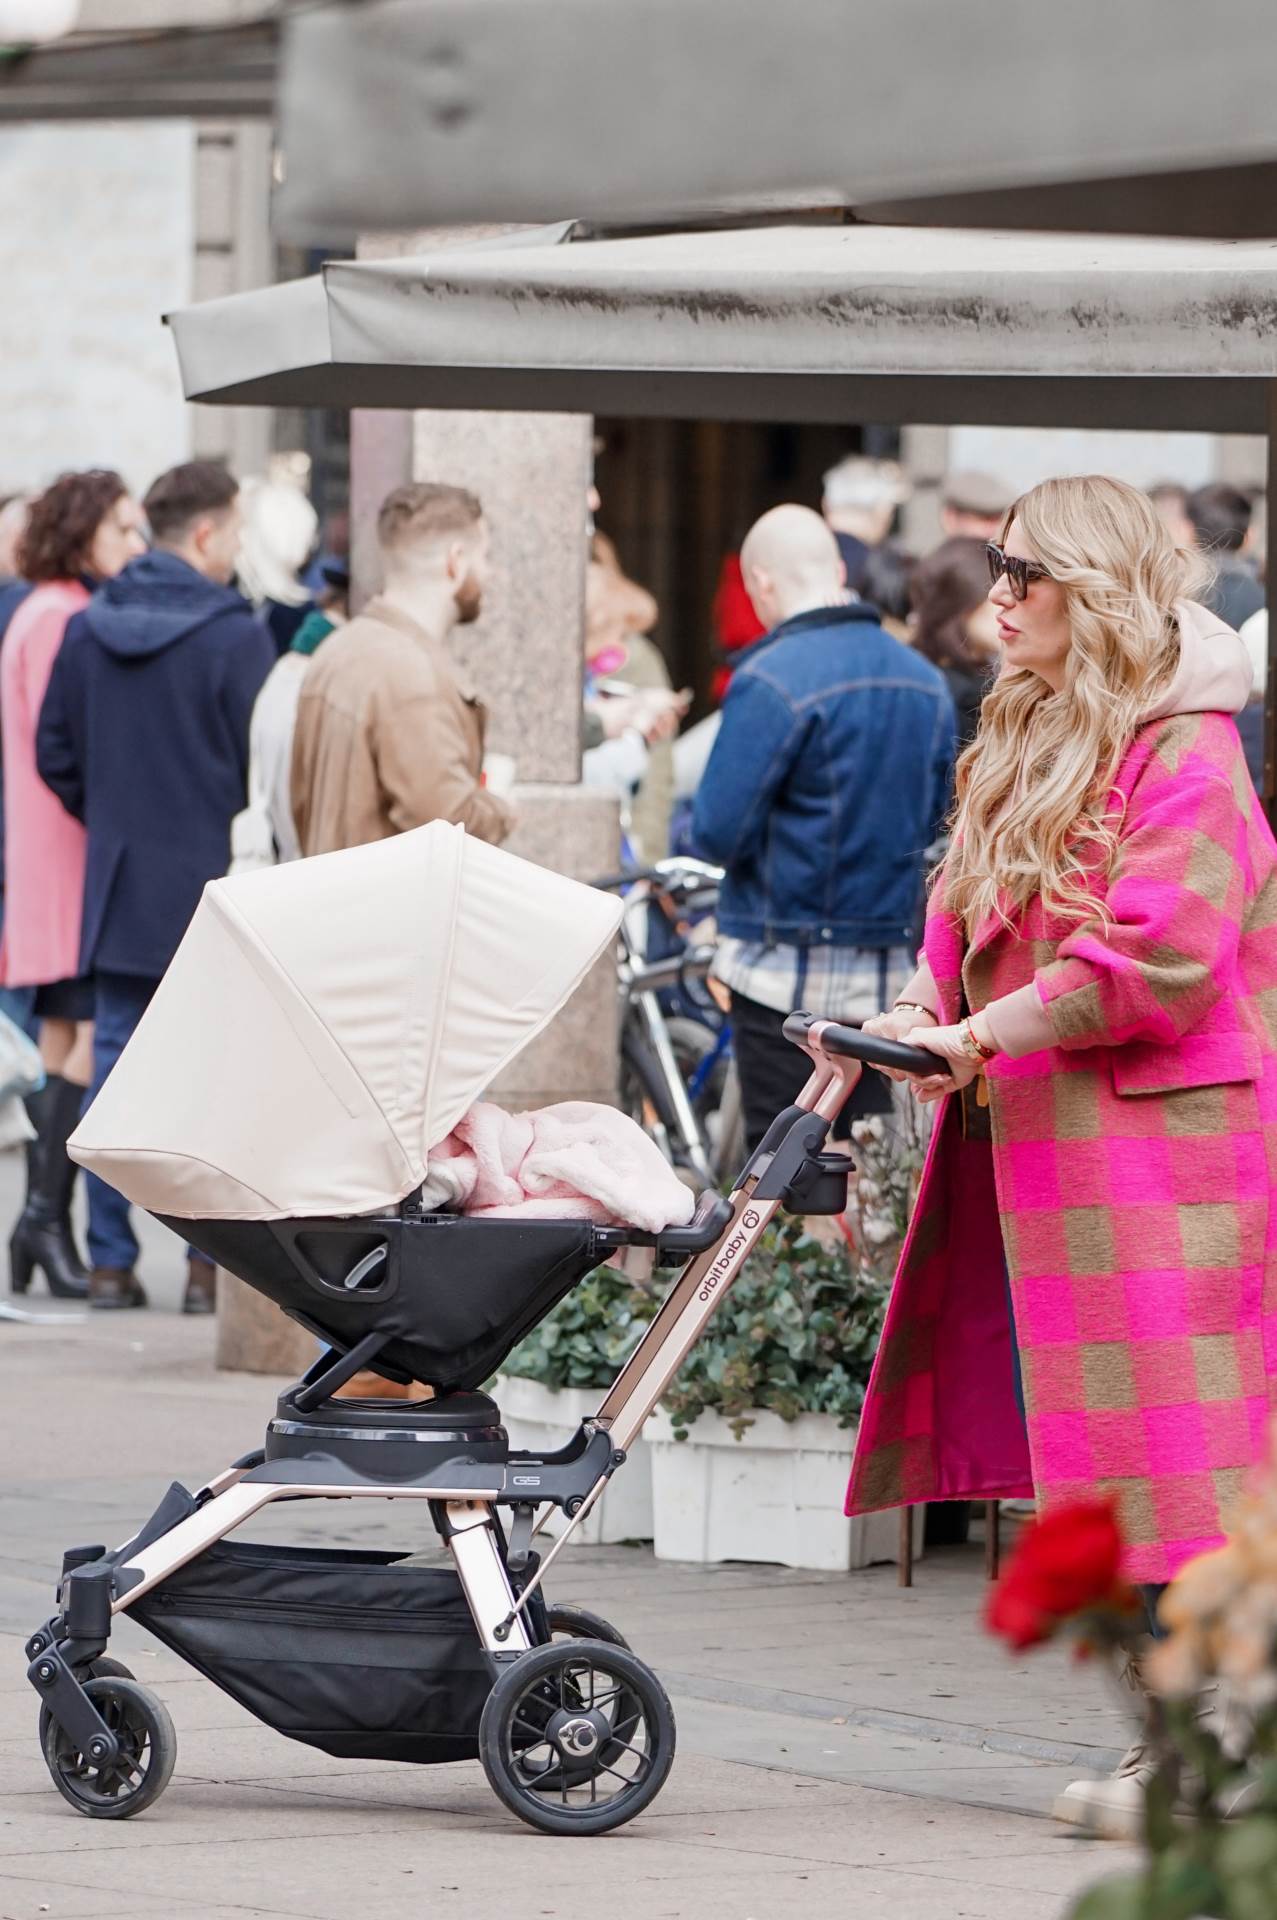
x=828, y=782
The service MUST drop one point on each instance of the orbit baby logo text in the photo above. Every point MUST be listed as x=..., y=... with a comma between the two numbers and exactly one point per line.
x=749, y=1221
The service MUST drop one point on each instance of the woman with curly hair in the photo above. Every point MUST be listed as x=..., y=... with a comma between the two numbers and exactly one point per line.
x=1086, y=1305
x=82, y=530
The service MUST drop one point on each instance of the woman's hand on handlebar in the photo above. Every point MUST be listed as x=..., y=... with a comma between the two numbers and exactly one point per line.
x=898, y=1023
x=948, y=1045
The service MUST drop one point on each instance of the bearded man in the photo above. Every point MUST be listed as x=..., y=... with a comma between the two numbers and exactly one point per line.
x=388, y=735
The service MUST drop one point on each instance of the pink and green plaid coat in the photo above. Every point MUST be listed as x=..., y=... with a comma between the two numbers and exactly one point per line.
x=1132, y=1172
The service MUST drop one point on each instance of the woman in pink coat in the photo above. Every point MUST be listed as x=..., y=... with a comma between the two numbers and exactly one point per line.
x=83, y=529
x=1087, y=1301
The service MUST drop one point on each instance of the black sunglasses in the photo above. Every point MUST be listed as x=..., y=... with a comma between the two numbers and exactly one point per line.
x=1020, y=573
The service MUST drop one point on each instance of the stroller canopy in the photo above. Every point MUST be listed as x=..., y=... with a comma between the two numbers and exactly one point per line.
x=325, y=1023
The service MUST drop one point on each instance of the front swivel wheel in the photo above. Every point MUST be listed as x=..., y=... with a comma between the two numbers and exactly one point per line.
x=117, y=1789
x=577, y=1736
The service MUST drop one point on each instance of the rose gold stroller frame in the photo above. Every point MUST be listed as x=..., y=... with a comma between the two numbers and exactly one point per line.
x=465, y=1499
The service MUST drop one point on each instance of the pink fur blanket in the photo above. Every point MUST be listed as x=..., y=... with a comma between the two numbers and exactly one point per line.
x=574, y=1161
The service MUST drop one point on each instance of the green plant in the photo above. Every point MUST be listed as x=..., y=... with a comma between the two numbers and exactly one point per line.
x=589, y=1336
x=796, y=1334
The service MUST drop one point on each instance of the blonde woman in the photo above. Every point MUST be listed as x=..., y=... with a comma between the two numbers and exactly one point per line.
x=1087, y=1302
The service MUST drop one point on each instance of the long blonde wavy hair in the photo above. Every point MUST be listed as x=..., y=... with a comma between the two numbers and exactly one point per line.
x=1032, y=811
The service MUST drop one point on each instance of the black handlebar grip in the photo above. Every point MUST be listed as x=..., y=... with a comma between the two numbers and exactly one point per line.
x=869, y=1047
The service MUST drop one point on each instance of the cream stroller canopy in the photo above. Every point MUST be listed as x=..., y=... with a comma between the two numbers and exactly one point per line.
x=325, y=1023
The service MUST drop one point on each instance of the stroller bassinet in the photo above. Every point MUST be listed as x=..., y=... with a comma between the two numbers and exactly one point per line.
x=322, y=1024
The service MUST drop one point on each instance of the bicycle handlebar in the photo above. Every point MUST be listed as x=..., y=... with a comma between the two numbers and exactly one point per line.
x=676, y=875
x=613, y=882
x=851, y=1043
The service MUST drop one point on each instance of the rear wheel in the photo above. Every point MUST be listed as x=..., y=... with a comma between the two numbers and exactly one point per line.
x=578, y=1623
x=577, y=1737
x=136, y=1778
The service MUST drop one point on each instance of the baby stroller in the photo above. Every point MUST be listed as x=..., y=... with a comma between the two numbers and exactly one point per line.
x=321, y=1025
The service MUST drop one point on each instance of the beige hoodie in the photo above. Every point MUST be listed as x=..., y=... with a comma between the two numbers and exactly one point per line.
x=1214, y=676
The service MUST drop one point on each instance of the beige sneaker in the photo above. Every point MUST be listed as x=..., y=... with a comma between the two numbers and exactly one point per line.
x=1113, y=1808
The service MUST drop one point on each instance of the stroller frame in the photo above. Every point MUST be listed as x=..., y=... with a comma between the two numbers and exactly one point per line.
x=499, y=1576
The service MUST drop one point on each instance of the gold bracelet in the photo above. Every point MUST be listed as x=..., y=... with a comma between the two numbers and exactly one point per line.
x=914, y=1006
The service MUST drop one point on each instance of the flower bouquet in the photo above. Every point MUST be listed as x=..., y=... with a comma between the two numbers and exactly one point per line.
x=1209, y=1692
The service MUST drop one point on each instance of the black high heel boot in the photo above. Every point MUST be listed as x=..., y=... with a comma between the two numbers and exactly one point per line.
x=21, y=1261
x=42, y=1237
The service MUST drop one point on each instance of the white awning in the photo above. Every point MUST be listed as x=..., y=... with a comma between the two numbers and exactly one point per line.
x=802, y=321
x=324, y=1023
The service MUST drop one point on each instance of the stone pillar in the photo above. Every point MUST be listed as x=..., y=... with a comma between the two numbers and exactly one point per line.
x=525, y=655
x=254, y=1336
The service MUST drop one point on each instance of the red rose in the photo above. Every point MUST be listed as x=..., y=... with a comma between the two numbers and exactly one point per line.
x=1064, y=1564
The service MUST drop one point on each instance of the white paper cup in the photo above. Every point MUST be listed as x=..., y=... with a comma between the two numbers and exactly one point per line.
x=499, y=771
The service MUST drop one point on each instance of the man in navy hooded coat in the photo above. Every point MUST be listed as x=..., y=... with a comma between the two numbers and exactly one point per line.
x=143, y=736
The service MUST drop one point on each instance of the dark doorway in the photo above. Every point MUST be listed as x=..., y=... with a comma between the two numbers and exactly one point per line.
x=678, y=495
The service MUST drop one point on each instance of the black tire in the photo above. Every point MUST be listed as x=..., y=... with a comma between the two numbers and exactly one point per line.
x=105, y=1668
x=643, y=1092
x=578, y=1623
x=544, y=1698
x=148, y=1752
x=691, y=1043
x=644, y=1096
x=717, y=1106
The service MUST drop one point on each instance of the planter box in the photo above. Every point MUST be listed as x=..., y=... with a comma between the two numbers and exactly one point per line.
x=540, y=1418
x=776, y=1495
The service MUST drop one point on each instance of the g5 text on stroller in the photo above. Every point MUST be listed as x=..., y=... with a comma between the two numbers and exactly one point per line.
x=368, y=1654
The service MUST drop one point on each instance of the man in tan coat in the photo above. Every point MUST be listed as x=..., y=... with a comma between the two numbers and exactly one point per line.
x=388, y=735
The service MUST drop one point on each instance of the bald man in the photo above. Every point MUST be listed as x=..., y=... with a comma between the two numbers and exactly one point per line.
x=829, y=780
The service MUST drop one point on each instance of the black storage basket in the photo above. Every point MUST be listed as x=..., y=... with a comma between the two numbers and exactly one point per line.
x=355, y=1653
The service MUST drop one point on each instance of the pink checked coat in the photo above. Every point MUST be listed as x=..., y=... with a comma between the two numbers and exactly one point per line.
x=1130, y=1181
x=43, y=845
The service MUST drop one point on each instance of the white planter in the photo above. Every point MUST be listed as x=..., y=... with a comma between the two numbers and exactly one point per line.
x=539, y=1419
x=775, y=1495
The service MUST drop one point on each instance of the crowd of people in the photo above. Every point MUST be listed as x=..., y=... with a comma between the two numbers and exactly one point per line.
x=179, y=700
x=183, y=692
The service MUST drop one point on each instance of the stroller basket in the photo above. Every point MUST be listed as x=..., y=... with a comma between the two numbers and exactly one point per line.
x=360, y=1654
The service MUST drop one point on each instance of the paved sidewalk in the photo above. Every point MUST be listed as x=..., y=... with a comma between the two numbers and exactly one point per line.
x=843, y=1746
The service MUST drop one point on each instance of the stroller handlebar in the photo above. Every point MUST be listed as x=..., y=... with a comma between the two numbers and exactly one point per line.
x=852, y=1044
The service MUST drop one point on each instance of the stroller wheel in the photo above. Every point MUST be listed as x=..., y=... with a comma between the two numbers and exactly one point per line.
x=578, y=1623
x=144, y=1766
x=577, y=1737
x=105, y=1668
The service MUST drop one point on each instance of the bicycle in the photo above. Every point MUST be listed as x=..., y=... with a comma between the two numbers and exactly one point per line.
x=678, y=1076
